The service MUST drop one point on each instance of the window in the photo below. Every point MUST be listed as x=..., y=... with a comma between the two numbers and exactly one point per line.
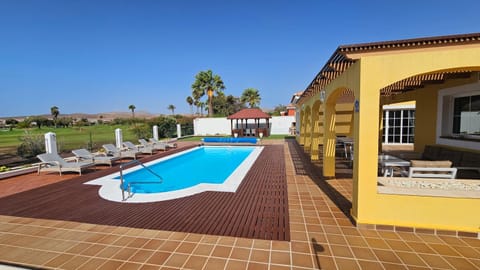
x=466, y=115
x=398, y=126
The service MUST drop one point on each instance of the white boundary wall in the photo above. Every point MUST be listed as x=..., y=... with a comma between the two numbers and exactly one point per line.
x=280, y=125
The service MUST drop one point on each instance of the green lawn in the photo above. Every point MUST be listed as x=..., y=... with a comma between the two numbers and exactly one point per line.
x=67, y=138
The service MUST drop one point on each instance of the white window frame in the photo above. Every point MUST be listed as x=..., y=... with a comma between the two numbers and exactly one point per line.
x=445, y=122
x=388, y=108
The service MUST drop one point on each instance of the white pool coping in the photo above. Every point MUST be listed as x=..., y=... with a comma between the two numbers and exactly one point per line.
x=110, y=187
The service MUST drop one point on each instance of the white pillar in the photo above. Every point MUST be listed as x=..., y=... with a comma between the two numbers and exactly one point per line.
x=179, y=131
x=51, y=143
x=155, y=132
x=119, y=137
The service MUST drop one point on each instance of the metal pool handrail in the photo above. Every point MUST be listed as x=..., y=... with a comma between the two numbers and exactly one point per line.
x=135, y=161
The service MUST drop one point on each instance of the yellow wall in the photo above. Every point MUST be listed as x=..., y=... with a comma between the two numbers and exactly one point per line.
x=366, y=77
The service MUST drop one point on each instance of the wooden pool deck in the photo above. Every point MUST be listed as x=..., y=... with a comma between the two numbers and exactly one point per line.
x=317, y=233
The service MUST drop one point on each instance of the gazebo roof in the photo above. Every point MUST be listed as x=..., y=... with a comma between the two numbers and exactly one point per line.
x=250, y=113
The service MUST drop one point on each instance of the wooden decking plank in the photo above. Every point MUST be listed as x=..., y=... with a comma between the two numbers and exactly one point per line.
x=255, y=210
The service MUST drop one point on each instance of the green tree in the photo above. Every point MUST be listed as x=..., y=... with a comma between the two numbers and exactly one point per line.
x=279, y=109
x=190, y=102
x=207, y=83
x=132, y=108
x=172, y=108
x=251, y=96
x=55, y=112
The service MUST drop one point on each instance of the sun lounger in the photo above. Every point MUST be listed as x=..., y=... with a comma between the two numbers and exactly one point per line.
x=51, y=162
x=85, y=155
x=156, y=146
x=140, y=148
x=169, y=144
x=111, y=150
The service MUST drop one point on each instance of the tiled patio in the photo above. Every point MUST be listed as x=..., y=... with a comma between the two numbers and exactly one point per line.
x=322, y=236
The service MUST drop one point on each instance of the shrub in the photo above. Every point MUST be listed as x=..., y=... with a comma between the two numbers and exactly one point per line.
x=31, y=145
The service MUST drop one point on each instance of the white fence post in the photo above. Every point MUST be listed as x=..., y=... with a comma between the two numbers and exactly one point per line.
x=51, y=143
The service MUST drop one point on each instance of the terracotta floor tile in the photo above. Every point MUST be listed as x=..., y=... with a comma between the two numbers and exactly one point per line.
x=108, y=252
x=398, y=245
x=356, y=241
x=370, y=265
x=444, y=250
x=109, y=265
x=377, y=243
x=215, y=263
x=324, y=262
x=93, y=250
x=138, y=243
x=335, y=239
x=176, y=260
x=203, y=249
x=467, y=252
x=221, y=251
x=386, y=256
x=393, y=266
x=435, y=261
x=258, y=255
x=235, y=265
x=195, y=262
x=58, y=260
x=130, y=266
x=301, y=247
x=362, y=253
x=169, y=246
x=277, y=267
x=240, y=253
x=141, y=256
x=261, y=244
x=344, y=263
x=410, y=258
x=277, y=257
x=154, y=244
x=124, y=254
x=93, y=263
x=420, y=247
x=256, y=266
x=302, y=260
x=281, y=245
x=186, y=247
x=75, y=262
x=459, y=263
x=158, y=258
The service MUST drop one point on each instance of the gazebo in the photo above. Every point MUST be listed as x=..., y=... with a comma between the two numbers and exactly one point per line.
x=243, y=128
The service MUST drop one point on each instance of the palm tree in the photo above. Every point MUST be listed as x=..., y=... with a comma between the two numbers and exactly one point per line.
x=207, y=83
x=190, y=102
x=132, y=108
x=172, y=108
x=55, y=112
x=201, y=104
x=251, y=96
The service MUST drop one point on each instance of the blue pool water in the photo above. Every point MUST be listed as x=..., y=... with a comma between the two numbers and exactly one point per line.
x=229, y=140
x=203, y=165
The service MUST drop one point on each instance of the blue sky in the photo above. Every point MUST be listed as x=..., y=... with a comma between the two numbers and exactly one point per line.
x=101, y=56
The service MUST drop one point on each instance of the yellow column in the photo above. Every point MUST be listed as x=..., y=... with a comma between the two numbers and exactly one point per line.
x=317, y=133
x=366, y=130
x=329, y=140
x=302, y=127
x=308, y=129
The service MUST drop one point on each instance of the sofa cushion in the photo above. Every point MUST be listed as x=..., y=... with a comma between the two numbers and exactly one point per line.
x=447, y=154
x=431, y=152
x=470, y=159
x=431, y=164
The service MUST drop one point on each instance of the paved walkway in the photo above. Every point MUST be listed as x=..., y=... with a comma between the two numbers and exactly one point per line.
x=322, y=237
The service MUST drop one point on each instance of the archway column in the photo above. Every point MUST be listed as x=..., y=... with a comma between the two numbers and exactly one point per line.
x=317, y=132
x=329, y=140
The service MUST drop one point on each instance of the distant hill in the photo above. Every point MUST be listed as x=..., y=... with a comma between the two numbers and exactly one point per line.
x=104, y=116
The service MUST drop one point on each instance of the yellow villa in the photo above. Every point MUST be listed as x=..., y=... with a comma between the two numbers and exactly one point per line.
x=441, y=77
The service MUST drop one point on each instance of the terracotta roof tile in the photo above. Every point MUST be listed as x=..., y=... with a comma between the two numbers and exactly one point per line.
x=250, y=113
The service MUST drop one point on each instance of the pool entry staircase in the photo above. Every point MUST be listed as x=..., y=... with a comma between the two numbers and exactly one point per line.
x=128, y=186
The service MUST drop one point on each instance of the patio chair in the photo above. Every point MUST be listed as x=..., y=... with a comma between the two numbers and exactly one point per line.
x=431, y=169
x=156, y=146
x=102, y=159
x=140, y=148
x=112, y=150
x=52, y=162
x=169, y=144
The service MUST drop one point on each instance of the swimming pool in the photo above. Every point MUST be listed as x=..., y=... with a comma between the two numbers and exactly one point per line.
x=205, y=168
x=203, y=165
x=229, y=140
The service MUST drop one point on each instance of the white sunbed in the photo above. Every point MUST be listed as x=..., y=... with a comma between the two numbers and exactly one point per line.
x=140, y=148
x=169, y=144
x=156, y=146
x=52, y=162
x=111, y=150
x=102, y=159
